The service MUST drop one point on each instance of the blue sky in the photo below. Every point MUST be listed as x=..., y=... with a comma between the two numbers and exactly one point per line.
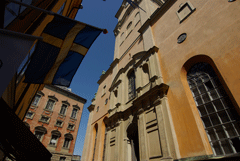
x=101, y=14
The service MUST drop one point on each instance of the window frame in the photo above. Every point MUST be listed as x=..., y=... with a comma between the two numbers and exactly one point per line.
x=72, y=129
x=215, y=108
x=74, y=108
x=57, y=138
x=59, y=121
x=36, y=105
x=54, y=102
x=131, y=85
x=64, y=114
x=33, y=113
x=47, y=122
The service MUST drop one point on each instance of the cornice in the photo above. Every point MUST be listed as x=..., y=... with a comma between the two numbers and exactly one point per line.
x=91, y=108
x=73, y=95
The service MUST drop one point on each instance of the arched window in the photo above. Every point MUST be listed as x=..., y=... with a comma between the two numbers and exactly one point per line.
x=95, y=140
x=220, y=119
x=40, y=131
x=54, y=139
x=67, y=140
x=145, y=77
x=131, y=85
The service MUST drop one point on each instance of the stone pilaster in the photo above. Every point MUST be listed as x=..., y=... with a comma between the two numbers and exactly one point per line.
x=88, y=136
x=142, y=136
x=164, y=135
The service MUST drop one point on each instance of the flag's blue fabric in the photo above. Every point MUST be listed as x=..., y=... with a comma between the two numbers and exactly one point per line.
x=58, y=56
x=134, y=4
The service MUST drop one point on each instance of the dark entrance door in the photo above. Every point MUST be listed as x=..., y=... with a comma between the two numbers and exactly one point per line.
x=132, y=134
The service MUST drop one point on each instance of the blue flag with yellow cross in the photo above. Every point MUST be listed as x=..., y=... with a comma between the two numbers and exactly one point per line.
x=58, y=56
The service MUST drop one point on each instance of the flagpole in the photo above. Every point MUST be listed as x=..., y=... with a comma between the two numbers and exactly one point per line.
x=47, y=12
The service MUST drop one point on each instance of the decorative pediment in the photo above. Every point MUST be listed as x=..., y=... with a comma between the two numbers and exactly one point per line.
x=40, y=93
x=76, y=106
x=56, y=132
x=53, y=98
x=69, y=136
x=66, y=102
x=41, y=129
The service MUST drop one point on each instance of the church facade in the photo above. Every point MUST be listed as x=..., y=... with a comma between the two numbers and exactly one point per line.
x=172, y=91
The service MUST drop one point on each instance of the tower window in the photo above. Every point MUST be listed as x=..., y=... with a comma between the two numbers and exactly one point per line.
x=131, y=86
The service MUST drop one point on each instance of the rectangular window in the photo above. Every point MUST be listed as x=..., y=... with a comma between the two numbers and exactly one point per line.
x=63, y=109
x=39, y=135
x=62, y=158
x=66, y=143
x=71, y=126
x=44, y=119
x=50, y=105
x=74, y=113
x=36, y=100
x=53, y=140
x=59, y=123
x=29, y=115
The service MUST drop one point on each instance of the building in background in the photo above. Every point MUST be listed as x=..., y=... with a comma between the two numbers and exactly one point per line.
x=54, y=117
x=172, y=91
x=17, y=142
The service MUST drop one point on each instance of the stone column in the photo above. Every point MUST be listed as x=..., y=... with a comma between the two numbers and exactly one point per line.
x=143, y=147
x=88, y=136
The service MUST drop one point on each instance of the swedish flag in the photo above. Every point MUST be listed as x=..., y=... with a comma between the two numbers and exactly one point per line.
x=58, y=56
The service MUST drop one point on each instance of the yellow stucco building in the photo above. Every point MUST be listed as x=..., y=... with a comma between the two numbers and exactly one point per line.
x=172, y=91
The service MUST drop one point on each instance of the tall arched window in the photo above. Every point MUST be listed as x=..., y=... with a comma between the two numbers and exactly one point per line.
x=220, y=119
x=95, y=140
x=131, y=85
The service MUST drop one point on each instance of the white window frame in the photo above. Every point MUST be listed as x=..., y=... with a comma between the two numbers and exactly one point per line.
x=52, y=106
x=72, y=129
x=65, y=110
x=69, y=143
x=76, y=113
x=52, y=139
x=31, y=116
x=35, y=105
x=44, y=121
x=59, y=125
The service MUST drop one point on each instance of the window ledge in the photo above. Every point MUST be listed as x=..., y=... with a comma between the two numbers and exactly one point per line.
x=48, y=110
x=70, y=129
x=52, y=145
x=65, y=148
x=73, y=118
x=57, y=125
